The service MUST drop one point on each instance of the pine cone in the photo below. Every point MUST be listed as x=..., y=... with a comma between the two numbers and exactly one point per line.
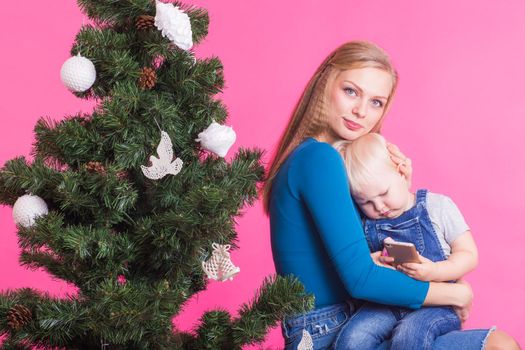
x=18, y=316
x=122, y=174
x=148, y=78
x=96, y=167
x=145, y=22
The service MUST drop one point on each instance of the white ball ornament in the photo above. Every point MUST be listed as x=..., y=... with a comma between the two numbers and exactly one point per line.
x=78, y=73
x=217, y=138
x=27, y=208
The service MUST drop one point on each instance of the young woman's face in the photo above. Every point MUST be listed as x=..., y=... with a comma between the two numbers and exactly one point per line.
x=356, y=102
x=387, y=198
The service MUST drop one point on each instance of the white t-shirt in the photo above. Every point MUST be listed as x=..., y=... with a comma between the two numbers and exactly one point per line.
x=446, y=219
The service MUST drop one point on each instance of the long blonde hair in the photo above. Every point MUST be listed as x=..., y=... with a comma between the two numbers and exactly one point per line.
x=309, y=116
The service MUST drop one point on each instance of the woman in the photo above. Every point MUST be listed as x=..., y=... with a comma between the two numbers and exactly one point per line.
x=316, y=230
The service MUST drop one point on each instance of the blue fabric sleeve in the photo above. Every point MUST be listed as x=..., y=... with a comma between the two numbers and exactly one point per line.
x=319, y=179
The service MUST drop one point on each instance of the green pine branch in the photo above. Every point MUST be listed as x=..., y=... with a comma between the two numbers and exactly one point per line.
x=17, y=177
x=67, y=142
x=278, y=297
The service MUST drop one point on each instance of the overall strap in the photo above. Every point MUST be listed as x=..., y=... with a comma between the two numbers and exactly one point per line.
x=421, y=197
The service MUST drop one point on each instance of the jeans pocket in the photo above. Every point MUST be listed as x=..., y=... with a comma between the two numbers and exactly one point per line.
x=322, y=329
x=328, y=325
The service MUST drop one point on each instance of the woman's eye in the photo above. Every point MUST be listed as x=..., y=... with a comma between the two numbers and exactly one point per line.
x=350, y=91
x=377, y=103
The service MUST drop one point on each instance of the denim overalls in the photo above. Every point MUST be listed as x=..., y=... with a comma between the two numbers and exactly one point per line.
x=413, y=226
x=410, y=329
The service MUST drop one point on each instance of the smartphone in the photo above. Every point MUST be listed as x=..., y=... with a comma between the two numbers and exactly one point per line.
x=402, y=252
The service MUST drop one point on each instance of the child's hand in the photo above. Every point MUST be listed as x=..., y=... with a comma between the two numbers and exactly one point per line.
x=381, y=260
x=423, y=272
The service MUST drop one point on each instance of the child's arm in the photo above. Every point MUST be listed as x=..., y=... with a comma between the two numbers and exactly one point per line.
x=463, y=259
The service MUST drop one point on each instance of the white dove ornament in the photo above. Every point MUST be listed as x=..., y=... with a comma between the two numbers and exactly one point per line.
x=165, y=164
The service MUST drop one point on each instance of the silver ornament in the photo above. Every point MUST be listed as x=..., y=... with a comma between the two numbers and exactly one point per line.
x=78, y=73
x=165, y=164
x=217, y=138
x=27, y=208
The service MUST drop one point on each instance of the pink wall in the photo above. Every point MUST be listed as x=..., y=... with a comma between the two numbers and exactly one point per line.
x=457, y=114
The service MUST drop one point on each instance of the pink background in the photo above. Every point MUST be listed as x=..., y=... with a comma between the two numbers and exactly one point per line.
x=458, y=114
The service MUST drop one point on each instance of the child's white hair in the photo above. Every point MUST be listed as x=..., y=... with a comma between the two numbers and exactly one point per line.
x=367, y=159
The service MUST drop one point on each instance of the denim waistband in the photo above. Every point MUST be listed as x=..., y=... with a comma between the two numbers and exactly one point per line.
x=320, y=313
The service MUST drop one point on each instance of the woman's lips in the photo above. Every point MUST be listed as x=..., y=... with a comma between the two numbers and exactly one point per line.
x=352, y=125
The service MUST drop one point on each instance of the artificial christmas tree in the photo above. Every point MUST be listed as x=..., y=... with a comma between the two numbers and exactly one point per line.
x=135, y=245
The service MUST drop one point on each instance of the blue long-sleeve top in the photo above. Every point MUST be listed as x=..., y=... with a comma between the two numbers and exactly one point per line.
x=317, y=236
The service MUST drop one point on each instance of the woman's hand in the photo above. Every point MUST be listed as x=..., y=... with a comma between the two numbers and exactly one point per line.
x=425, y=271
x=382, y=260
x=463, y=312
x=403, y=163
x=458, y=295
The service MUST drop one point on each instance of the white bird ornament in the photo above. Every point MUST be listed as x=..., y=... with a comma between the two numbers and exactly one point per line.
x=165, y=164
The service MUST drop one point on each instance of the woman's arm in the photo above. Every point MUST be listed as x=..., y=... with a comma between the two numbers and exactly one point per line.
x=440, y=293
x=319, y=180
x=463, y=259
x=453, y=294
x=321, y=183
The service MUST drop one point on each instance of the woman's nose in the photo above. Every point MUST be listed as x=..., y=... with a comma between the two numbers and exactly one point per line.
x=359, y=109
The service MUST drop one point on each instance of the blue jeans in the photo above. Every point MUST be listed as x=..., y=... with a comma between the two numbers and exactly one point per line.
x=325, y=324
x=374, y=323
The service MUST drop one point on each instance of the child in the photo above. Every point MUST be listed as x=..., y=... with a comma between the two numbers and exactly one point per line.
x=430, y=221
